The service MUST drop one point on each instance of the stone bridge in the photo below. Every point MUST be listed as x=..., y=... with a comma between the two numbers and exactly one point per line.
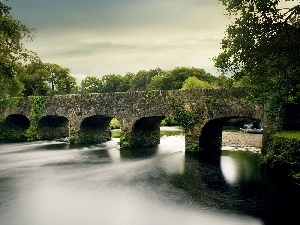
x=85, y=118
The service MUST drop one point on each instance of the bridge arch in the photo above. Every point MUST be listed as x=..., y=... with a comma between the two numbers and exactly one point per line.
x=52, y=127
x=17, y=121
x=16, y=126
x=210, y=139
x=95, y=129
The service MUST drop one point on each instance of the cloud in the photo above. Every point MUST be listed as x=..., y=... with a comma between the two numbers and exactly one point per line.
x=118, y=36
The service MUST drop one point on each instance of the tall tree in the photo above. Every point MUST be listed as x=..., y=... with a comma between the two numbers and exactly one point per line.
x=91, y=84
x=263, y=44
x=34, y=79
x=12, y=52
x=66, y=83
x=59, y=78
x=112, y=83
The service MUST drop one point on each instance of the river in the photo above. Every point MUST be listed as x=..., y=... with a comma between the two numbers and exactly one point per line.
x=54, y=183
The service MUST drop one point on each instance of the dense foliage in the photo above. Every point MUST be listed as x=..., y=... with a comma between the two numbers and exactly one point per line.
x=46, y=79
x=282, y=155
x=262, y=47
x=21, y=71
x=195, y=83
x=12, y=52
x=38, y=106
x=154, y=79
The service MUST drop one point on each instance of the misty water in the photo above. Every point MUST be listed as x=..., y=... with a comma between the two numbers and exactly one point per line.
x=54, y=183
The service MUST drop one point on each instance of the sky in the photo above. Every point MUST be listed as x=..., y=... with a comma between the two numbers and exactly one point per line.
x=99, y=37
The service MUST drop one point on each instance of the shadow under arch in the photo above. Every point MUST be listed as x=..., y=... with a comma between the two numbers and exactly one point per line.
x=210, y=140
x=17, y=121
x=53, y=127
x=15, y=126
x=95, y=129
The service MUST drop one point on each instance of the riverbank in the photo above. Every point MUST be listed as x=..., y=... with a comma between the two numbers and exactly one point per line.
x=241, y=141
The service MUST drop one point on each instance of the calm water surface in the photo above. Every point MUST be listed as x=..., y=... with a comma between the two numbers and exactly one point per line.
x=52, y=183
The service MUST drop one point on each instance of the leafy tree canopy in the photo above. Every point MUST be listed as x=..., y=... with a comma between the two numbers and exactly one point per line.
x=195, y=83
x=175, y=78
x=113, y=83
x=263, y=44
x=12, y=52
x=59, y=78
x=154, y=79
x=34, y=79
x=141, y=80
x=91, y=84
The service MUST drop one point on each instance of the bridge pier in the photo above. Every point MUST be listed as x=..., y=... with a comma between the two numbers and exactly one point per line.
x=210, y=140
x=140, y=133
x=206, y=138
x=192, y=140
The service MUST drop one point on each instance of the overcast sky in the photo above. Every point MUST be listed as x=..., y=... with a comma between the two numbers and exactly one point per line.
x=98, y=37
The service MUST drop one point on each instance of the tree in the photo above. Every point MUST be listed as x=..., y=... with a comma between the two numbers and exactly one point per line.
x=12, y=52
x=34, y=77
x=127, y=81
x=195, y=83
x=91, y=84
x=178, y=75
x=263, y=44
x=59, y=78
x=158, y=83
x=10, y=87
x=141, y=81
x=175, y=78
x=66, y=83
x=112, y=83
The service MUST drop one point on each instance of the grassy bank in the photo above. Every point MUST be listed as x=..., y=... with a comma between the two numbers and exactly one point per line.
x=288, y=134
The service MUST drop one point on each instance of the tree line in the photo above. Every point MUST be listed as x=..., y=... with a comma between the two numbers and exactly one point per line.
x=260, y=51
x=154, y=79
x=48, y=79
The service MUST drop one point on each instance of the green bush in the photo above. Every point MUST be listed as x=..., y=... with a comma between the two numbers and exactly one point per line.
x=281, y=154
x=114, y=124
x=169, y=121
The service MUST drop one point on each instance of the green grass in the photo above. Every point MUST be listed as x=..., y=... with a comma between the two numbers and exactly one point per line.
x=288, y=134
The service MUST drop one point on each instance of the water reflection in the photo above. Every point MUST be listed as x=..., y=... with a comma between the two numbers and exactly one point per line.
x=241, y=166
x=164, y=131
x=137, y=153
x=229, y=169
